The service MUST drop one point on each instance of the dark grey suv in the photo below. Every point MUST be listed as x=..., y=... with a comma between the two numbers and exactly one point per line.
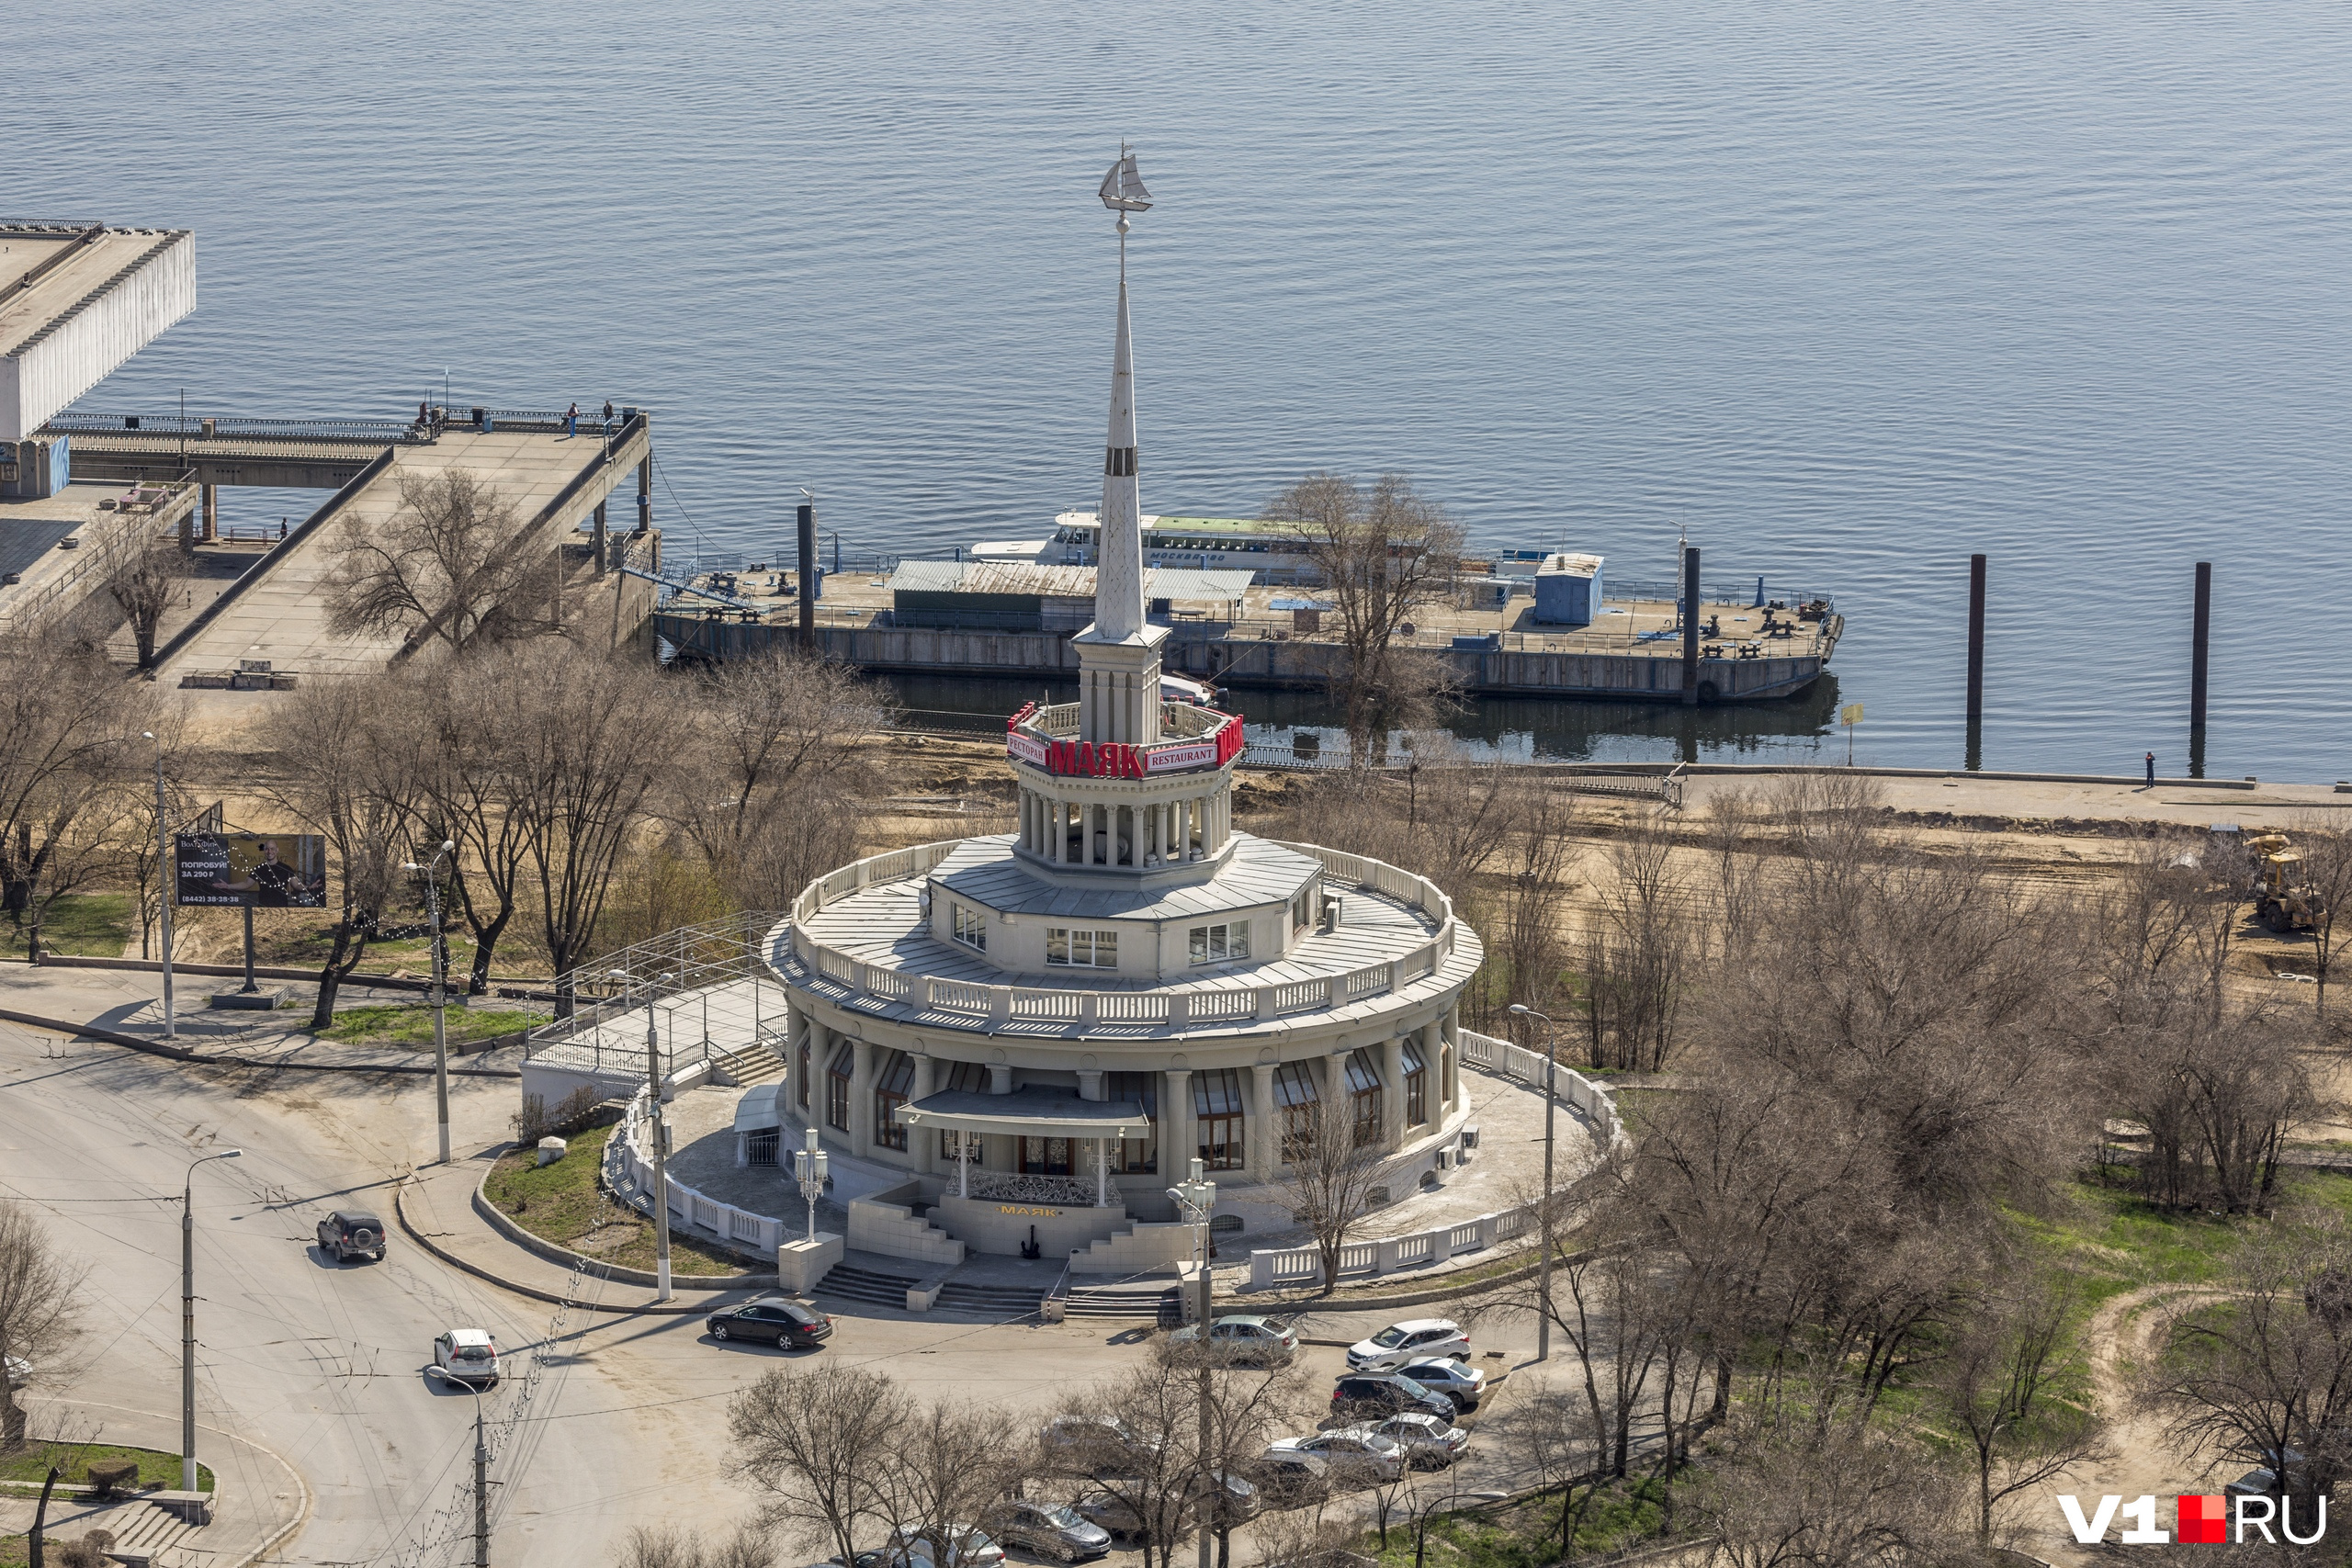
x=352, y=1233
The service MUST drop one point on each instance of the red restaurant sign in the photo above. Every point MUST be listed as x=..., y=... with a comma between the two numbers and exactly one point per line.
x=1079, y=759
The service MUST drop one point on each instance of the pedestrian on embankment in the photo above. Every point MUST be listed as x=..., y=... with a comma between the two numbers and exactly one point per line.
x=571, y=422
x=2152, y=770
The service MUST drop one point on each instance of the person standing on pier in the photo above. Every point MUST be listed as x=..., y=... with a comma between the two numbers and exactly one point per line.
x=571, y=422
x=2151, y=770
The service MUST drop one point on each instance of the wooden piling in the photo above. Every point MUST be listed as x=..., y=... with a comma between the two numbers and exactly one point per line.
x=1689, y=623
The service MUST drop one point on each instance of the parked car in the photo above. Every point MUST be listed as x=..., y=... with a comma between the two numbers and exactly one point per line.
x=352, y=1233
x=1049, y=1530
x=1241, y=1340
x=776, y=1320
x=1465, y=1384
x=1093, y=1445
x=1429, y=1441
x=970, y=1547
x=1290, y=1479
x=1371, y=1395
x=1238, y=1500
x=1357, y=1456
x=1418, y=1340
x=468, y=1354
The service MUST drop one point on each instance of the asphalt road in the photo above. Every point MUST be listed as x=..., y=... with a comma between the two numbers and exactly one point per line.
x=605, y=1421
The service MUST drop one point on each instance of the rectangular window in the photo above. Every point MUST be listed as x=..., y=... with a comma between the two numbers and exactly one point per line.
x=838, y=1074
x=1364, y=1095
x=1302, y=907
x=971, y=926
x=1139, y=1154
x=1220, y=944
x=1294, y=1092
x=890, y=1087
x=1217, y=1105
x=1082, y=949
x=802, y=1074
x=1417, y=1103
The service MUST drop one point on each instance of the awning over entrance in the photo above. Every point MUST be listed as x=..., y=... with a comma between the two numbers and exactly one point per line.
x=1028, y=1113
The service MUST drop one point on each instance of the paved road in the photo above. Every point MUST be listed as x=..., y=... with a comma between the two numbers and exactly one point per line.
x=615, y=1419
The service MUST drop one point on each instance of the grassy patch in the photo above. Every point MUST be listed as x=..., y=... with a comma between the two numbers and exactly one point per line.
x=1527, y=1534
x=32, y=1462
x=562, y=1204
x=79, y=925
x=410, y=1023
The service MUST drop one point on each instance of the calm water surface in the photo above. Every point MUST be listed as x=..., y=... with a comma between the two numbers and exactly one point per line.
x=1848, y=290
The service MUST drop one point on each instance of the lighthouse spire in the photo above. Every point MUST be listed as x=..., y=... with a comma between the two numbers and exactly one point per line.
x=1118, y=578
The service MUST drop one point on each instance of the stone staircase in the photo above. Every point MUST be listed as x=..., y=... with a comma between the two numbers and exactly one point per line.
x=990, y=1300
x=868, y=1285
x=1116, y=1300
x=746, y=1064
x=146, y=1535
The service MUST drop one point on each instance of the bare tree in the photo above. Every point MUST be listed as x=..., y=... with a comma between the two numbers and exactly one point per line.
x=776, y=804
x=671, y=1547
x=1333, y=1167
x=1635, y=953
x=1556, y=1431
x=1800, y=1496
x=337, y=776
x=144, y=585
x=814, y=1442
x=2003, y=1388
x=2326, y=871
x=2268, y=1371
x=40, y=1297
x=601, y=737
x=69, y=730
x=1381, y=552
x=471, y=720
x=447, y=565
x=1526, y=940
x=950, y=1467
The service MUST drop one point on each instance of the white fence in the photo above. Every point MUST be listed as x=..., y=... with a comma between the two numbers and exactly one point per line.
x=628, y=1173
x=995, y=1006
x=1271, y=1268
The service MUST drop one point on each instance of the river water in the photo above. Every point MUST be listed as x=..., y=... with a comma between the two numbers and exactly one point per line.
x=1846, y=289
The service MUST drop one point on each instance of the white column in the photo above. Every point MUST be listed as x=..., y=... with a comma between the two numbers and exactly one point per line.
x=922, y=1142
x=1056, y=830
x=1392, y=1092
x=1177, y=1140
x=1261, y=1126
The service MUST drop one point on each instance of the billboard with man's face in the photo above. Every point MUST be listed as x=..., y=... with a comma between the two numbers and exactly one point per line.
x=265, y=871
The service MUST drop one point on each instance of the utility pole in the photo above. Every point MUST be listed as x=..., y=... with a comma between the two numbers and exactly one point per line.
x=188, y=1318
x=481, y=1492
x=166, y=883
x=440, y=992
x=1551, y=1105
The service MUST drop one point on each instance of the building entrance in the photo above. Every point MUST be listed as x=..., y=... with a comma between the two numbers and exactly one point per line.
x=1045, y=1157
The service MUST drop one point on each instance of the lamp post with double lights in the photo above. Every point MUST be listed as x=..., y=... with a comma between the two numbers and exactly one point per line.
x=482, y=1468
x=432, y=875
x=1543, y=1269
x=188, y=1316
x=660, y=1130
x=1194, y=1196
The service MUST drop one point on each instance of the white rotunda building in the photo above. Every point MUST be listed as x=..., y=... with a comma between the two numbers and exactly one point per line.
x=1042, y=1028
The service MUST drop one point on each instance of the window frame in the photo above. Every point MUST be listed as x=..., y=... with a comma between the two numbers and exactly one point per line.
x=1301, y=1100
x=841, y=1071
x=1220, y=1119
x=1100, y=946
x=891, y=1089
x=968, y=926
x=1216, y=943
x=1417, y=1081
x=1364, y=1090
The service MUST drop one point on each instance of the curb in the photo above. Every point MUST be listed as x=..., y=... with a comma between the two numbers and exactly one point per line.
x=182, y=1054
x=302, y=1487
x=564, y=1258
x=399, y=1212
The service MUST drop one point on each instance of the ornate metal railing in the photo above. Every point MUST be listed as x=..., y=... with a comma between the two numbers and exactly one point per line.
x=1059, y=1191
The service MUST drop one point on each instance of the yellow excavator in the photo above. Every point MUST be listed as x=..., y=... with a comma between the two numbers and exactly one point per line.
x=2282, y=900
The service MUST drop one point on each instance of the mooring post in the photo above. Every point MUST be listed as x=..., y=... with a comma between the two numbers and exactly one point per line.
x=2201, y=623
x=1975, y=758
x=1689, y=623
x=603, y=539
x=808, y=574
x=645, y=491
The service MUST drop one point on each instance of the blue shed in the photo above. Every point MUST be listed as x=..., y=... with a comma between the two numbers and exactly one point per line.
x=1567, y=590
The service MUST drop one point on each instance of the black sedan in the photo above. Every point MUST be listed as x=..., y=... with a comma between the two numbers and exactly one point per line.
x=774, y=1320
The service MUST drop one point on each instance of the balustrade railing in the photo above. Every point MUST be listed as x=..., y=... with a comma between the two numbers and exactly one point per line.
x=1013, y=1187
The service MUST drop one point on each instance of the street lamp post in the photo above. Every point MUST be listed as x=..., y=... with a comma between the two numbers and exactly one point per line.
x=1194, y=1196
x=482, y=1468
x=661, y=1140
x=1551, y=1102
x=808, y=1167
x=440, y=992
x=163, y=887
x=187, y=1316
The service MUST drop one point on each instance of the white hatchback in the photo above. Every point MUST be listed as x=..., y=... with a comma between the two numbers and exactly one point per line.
x=468, y=1354
x=1421, y=1338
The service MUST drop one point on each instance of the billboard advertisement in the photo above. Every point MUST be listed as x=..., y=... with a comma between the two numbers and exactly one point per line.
x=261, y=871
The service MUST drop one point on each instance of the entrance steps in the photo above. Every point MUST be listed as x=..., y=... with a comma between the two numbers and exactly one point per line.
x=868, y=1285
x=1116, y=1300
x=145, y=1537
x=744, y=1066
x=993, y=1301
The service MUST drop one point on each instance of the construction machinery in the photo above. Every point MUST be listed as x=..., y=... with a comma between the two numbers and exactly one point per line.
x=2283, y=900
